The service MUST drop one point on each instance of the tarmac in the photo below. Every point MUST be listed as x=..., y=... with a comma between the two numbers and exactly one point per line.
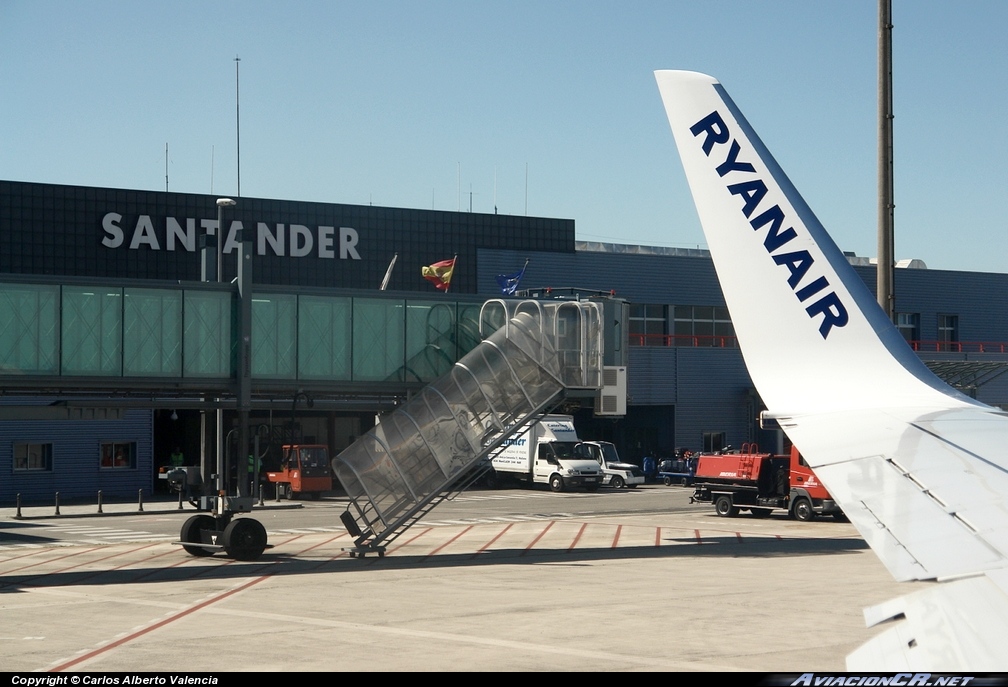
x=667, y=593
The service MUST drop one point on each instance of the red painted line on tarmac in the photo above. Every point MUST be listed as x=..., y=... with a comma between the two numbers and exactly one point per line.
x=203, y=559
x=410, y=541
x=405, y=543
x=29, y=552
x=696, y=533
x=657, y=536
x=450, y=541
x=156, y=626
x=177, y=616
x=327, y=541
x=577, y=537
x=42, y=576
x=180, y=561
x=536, y=540
x=98, y=560
x=492, y=541
x=47, y=561
x=114, y=555
x=323, y=543
x=615, y=541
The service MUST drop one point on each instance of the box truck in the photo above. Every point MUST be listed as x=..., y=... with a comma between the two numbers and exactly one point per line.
x=545, y=454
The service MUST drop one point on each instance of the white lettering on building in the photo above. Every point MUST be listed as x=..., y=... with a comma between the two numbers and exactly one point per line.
x=294, y=240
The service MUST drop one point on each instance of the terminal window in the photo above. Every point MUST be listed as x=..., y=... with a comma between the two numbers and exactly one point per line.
x=908, y=324
x=648, y=324
x=30, y=457
x=714, y=441
x=948, y=332
x=703, y=325
x=118, y=455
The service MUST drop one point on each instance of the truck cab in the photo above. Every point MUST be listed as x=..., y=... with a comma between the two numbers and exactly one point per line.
x=304, y=471
x=558, y=464
x=615, y=473
x=808, y=496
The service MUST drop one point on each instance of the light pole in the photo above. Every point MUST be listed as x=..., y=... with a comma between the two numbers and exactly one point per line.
x=221, y=204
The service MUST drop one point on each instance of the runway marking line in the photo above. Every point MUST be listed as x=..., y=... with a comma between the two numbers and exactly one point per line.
x=97, y=572
x=166, y=621
x=51, y=560
x=453, y=539
x=540, y=536
x=161, y=623
x=577, y=537
x=492, y=541
x=405, y=543
x=33, y=550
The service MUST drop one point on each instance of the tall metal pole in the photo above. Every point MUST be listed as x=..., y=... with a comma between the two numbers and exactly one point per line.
x=886, y=225
x=221, y=466
x=244, y=373
x=237, y=125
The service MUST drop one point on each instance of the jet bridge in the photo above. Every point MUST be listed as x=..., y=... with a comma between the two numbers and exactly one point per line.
x=445, y=436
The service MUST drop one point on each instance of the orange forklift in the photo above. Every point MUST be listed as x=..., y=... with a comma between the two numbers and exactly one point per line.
x=304, y=471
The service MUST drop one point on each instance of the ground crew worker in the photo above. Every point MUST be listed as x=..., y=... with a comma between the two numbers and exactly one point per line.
x=177, y=459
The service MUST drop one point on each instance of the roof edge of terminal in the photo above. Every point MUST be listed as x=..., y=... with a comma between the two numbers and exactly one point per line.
x=626, y=248
x=602, y=247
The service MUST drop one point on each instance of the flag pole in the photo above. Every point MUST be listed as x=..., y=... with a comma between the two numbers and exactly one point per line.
x=448, y=285
x=388, y=272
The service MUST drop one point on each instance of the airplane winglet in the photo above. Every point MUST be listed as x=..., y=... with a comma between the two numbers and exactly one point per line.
x=799, y=309
x=919, y=468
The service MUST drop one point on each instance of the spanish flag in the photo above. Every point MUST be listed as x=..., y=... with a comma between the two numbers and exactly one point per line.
x=439, y=274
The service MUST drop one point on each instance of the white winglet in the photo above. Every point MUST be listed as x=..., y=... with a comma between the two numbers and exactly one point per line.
x=795, y=302
x=920, y=469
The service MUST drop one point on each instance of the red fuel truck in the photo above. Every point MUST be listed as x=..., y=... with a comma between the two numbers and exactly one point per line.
x=761, y=482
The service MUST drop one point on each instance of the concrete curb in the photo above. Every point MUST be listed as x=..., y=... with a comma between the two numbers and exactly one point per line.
x=122, y=509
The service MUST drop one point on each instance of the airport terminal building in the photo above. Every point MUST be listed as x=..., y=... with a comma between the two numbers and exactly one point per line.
x=120, y=327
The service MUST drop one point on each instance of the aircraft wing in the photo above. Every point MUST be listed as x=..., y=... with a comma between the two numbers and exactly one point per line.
x=919, y=468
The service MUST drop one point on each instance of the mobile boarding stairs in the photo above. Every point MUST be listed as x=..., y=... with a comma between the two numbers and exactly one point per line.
x=443, y=439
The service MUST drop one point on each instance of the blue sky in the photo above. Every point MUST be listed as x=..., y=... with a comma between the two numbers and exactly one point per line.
x=543, y=108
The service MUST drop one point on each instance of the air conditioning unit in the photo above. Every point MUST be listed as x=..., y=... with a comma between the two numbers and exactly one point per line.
x=611, y=398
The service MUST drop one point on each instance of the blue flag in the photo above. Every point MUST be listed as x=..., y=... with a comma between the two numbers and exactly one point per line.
x=508, y=283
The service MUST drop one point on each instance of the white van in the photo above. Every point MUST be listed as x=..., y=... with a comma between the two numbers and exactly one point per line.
x=545, y=454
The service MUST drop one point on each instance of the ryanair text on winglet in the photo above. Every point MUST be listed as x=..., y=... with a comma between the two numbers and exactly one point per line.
x=752, y=192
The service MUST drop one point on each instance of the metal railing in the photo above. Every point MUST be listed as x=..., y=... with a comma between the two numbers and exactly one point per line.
x=923, y=346
x=684, y=340
x=722, y=341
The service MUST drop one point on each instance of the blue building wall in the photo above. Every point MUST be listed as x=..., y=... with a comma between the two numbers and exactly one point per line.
x=76, y=471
